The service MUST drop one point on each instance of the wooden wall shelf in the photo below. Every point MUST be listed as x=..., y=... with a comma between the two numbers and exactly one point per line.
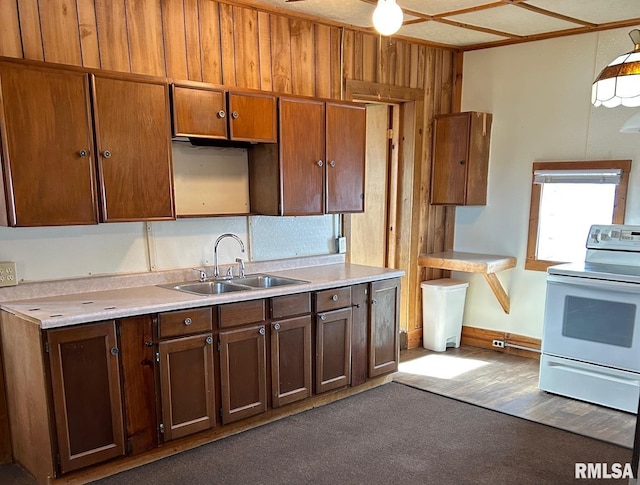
x=486, y=264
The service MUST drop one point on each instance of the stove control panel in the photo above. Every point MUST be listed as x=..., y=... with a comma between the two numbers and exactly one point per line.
x=614, y=237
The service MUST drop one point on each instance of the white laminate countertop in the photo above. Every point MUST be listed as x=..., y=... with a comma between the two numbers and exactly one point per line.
x=65, y=310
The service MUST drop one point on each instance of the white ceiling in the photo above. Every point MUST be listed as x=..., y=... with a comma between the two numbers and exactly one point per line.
x=472, y=24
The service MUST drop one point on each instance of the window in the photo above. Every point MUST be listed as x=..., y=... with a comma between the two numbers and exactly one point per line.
x=566, y=199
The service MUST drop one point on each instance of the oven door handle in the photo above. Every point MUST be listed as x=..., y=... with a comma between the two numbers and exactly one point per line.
x=599, y=375
x=595, y=283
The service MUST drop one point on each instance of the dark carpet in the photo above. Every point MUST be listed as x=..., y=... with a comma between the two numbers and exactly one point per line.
x=390, y=434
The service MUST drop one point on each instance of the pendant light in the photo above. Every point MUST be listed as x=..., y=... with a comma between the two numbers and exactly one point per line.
x=387, y=17
x=619, y=82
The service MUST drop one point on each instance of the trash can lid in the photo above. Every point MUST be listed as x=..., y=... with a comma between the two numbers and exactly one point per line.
x=444, y=284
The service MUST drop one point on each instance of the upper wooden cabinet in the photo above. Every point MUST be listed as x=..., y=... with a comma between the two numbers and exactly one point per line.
x=199, y=112
x=317, y=166
x=345, y=155
x=52, y=173
x=47, y=147
x=133, y=139
x=204, y=112
x=460, y=158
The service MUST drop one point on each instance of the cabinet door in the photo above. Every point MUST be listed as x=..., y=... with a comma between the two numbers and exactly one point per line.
x=449, y=174
x=199, y=112
x=360, y=334
x=187, y=385
x=290, y=360
x=383, y=330
x=345, y=152
x=333, y=349
x=138, y=383
x=302, y=149
x=85, y=378
x=243, y=373
x=47, y=141
x=133, y=140
x=253, y=117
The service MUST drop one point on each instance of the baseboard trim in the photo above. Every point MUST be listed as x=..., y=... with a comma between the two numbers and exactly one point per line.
x=513, y=343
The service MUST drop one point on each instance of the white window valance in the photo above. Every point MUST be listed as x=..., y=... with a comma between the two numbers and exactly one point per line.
x=595, y=176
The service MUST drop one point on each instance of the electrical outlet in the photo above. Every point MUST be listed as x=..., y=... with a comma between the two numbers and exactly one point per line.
x=498, y=343
x=8, y=275
x=341, y=244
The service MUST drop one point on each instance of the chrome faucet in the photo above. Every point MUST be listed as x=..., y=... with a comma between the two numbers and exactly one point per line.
x=216, y=270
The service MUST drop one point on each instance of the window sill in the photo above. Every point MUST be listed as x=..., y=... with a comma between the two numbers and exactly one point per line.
x=539, y=264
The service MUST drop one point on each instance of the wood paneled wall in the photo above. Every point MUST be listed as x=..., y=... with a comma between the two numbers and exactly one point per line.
x=238, y=45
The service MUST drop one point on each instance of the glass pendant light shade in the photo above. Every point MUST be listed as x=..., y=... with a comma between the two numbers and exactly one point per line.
x=387, y=17
x=619, y=82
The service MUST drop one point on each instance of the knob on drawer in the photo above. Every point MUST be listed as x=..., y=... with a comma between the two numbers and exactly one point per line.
x=187, y=321
x=334, y=297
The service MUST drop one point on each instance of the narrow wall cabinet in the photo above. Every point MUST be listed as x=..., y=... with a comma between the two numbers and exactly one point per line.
x=85, y=379
x=460, y=158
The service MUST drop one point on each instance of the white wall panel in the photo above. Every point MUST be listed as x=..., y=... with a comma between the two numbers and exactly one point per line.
x=540, y=97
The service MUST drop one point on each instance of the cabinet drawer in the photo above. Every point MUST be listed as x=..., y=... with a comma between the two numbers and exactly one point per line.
x=184, y=322
x=241, y=313
x=289, y=305
x=332, y=299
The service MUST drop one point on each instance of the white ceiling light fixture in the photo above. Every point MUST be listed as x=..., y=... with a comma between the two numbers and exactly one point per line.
x=619, y=82
x=387, y=17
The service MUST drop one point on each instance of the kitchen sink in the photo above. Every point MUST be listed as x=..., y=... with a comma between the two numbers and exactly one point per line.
x=266, y=281
x=249, y=282
x=206, y=287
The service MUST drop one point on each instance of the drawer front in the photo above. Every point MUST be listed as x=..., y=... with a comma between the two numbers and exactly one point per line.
x=332, y=299
x=289, y=305
x=184, y=322
x=241, y=313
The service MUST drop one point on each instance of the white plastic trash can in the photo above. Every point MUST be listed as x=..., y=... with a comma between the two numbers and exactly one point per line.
x=442, y=312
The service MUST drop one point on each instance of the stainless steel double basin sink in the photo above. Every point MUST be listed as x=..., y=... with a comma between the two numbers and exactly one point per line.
x=219, y=286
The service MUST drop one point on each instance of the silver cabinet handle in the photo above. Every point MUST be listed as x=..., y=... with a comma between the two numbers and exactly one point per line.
x=320, y=163
x=106, y=154
x=114, y=351
x=334, y=297
x=374, y=301
x=82, y=153
x=235, y=115
x=276, y=326
x=332, y=163
x=221, y=114
x=323, y=317
x=262, y=331
x=209, y=340
x=187, y=321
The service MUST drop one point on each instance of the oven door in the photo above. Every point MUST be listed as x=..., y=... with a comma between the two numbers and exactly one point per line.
x=593, y=321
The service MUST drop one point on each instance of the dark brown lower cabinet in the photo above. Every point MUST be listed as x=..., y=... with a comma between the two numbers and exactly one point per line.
x=85, y=380
x=383, y=331
x=333, y=349
x=243, y=373
x=290, y=360
x=187, y=385
x=360, y=334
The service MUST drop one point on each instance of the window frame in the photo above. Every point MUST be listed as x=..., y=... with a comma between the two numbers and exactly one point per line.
x=619, y=202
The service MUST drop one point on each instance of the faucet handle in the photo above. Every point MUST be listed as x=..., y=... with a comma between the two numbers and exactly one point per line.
x=241, y=269
x=202, y=274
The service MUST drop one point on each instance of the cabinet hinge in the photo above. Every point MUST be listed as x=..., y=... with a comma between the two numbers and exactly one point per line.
x=220, y=412
x=46, y=347
x=58, y=459
x=390, y=134
x=219, y=346
x=157, y=356
x=161, y=427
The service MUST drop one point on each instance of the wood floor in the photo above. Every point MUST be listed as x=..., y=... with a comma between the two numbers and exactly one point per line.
x=509, y=383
